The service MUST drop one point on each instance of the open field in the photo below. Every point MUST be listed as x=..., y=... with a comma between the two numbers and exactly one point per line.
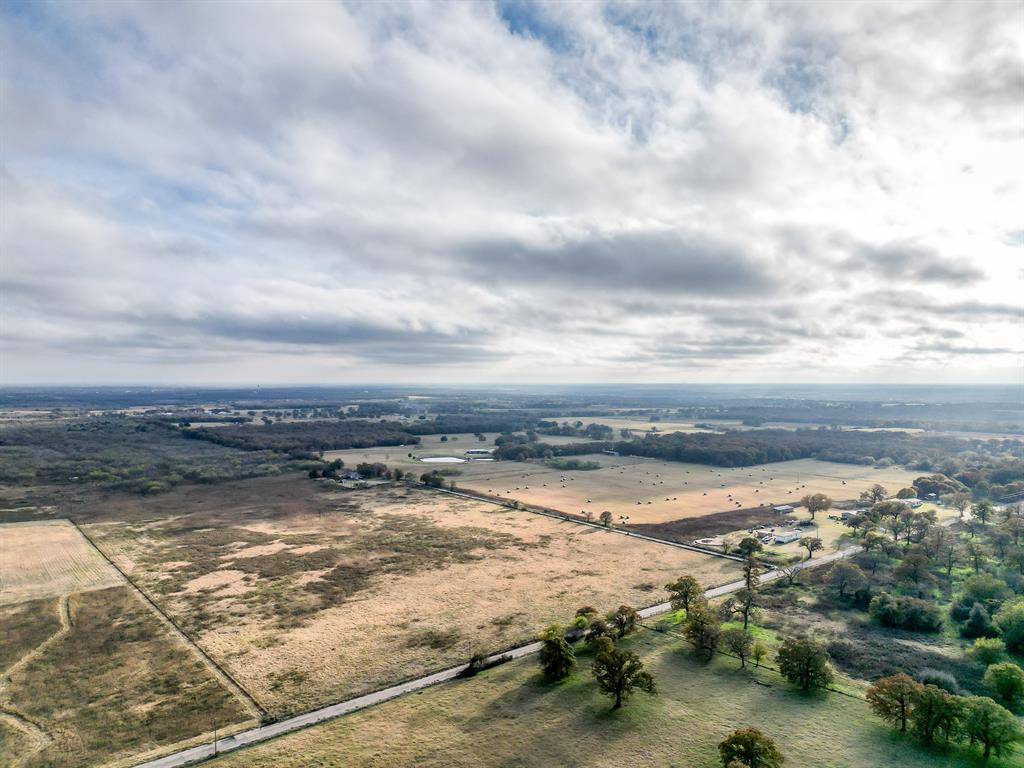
x=639, y=424
x=101, y=678
x=309, y=594
x=46, y=559
x=673, y=490
x=665, y=491
x=507, y=717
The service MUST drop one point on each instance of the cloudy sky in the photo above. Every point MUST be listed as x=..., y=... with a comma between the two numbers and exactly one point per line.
x=474, y=192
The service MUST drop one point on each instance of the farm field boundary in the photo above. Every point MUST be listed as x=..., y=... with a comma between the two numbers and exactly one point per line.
x=242, y=739
x=557, y=515
x=255, y=708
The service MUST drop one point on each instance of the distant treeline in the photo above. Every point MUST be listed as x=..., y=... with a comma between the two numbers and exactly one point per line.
x=306, y=438
x=987, y=467
x=125, y=454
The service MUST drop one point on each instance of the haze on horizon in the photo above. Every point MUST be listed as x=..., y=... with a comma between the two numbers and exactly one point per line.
x=511, y=192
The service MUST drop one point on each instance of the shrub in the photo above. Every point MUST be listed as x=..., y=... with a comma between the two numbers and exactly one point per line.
x=1006, y=681
x=939, y=678
x=1010, y=619
x=905, y=612
x=987, y=650
x=979, y=623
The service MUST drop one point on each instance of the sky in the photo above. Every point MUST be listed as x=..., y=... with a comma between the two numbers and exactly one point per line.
x=322, y=192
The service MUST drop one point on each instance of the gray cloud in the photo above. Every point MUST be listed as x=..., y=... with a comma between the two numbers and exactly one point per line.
x=907, y=261
x=959, y=349
x=659, y=262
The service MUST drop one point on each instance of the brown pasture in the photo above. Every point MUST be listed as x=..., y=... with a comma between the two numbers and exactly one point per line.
x=309, y=594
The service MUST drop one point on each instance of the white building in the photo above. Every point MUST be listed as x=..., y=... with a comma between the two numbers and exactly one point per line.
x=784, y=537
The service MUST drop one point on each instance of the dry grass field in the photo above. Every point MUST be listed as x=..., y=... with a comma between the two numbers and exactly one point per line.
x=46, y=559
x=87, y=672
x=652, y=491
x=506, y=717
x=309, y=594
x=100, y=678
x=645, y=490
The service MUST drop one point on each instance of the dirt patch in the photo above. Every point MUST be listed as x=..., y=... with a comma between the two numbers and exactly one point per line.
x=217, y=581
x=688, y=529
x=258, y=550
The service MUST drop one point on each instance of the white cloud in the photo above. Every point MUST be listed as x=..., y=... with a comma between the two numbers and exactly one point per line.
x=207, y=192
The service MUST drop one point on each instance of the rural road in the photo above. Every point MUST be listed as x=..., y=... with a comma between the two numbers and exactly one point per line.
x=263, y=733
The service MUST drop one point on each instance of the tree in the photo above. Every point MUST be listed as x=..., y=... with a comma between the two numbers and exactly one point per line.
x=742, y=602
x=750, y=747
x=915, y=568
x=702, y=628
x=977, y=554
x=791, y=573
x=816, y=502
x=982, y=511
x=598, y=628
x=987, y=650
x=738, y=642
x=804, y=663
x=606, y=519
x=1010, y=619
x=932, y=710
x=845, y=575
x=890, y=698
x=812, y=544
x=619, y=673
x=758, y=653
x=751, y=572
x=684, y=592
x=750, y=545
x=1006, y=681
x=949, y=554
x=985, y=722
x=890, y=508
x=557, y=657
x=624, y=619
x=874, y=494
x=959, y=501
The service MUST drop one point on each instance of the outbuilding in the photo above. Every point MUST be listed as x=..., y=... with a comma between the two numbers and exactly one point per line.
x=784, y=537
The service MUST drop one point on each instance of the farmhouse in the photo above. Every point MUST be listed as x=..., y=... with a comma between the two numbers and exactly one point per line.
x=783, y=509
x=784, y=537
x=914, y=503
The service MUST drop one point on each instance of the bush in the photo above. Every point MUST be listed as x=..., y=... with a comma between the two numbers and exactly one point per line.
x=987, y=650
x=939, y=678
x=979, y=623
x=1010, y=619
x=905, y=612
x=1006, y=681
